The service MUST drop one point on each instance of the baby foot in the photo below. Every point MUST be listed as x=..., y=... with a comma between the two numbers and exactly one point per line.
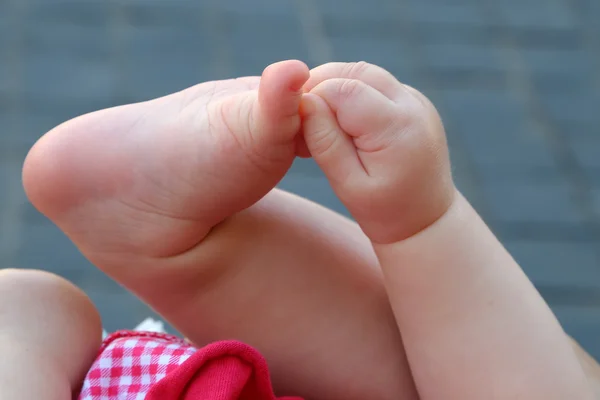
x=153, y=178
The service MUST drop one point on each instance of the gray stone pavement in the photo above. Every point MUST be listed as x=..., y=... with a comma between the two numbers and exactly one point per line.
x=517, y=83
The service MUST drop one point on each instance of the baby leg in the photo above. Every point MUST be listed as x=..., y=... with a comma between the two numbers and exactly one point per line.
x=50, y=333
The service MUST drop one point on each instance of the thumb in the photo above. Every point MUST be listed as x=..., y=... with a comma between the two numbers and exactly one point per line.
x=331, y=148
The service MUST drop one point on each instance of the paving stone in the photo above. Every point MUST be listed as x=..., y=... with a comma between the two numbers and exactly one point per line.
x=583, y=324
x=574, y=265
x=5, y=43
x=272, y=40
x=364, y=26
x=496, y=131
x=161, y=14
x=552, y=38
x=460, y=65
x=462, y=56
x=259, y=8
x=390, y=54
x=529, y=25
x=593, y=176
x=5, y=181
x=559, y=72
x=547, y=84
x=46, y=247
x=70, y=12
x=11, y=194
x=581, y=108
x=452, y=33
x=31, y=216
x=54, y=77
x=553, y=14
x=440, y=12
x=571, y=129
x=589, y=8
x=526, y=151
x=587, y=150
x=160, y=61
x=498, y=112
x=595, y=194
x=357, y=9
x=75, y=43
x=531, y=202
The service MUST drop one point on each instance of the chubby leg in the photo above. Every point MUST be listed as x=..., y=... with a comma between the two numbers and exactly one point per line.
x=49, y=335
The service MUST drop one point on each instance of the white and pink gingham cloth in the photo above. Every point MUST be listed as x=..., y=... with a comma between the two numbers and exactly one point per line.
x=133, y=365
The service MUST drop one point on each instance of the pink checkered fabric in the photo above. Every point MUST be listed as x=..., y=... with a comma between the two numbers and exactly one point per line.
x=130, y=363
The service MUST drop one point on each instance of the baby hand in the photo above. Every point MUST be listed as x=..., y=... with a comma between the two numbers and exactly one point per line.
x=382, y=146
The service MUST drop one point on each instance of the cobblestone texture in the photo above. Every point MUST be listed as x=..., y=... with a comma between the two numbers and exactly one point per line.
x=517, y=83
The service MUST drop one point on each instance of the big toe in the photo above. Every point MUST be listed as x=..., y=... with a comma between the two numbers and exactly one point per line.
x=266, y=123
x=276, y=117
x=280, y=92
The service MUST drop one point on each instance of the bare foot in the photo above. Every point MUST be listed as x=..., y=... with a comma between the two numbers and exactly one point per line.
x=153, y=178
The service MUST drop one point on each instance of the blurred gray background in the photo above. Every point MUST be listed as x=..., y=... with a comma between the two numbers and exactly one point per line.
x=517, y=83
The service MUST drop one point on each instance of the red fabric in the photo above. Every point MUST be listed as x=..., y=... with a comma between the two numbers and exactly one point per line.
x=150, y=366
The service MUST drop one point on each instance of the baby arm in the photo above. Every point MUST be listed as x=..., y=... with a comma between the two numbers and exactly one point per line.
x=473, y=325
x=50, y=333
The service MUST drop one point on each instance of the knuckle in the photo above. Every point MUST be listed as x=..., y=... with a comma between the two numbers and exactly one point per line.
x=358, y=69
x=366, y=71
x=350, y=88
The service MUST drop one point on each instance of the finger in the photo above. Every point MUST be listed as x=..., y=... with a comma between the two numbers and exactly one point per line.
x=279, y=95
x=363, y=113
x=326, y=141
x=372, y=75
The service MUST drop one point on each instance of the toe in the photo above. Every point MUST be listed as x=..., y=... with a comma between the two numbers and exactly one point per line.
x=279, y=96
